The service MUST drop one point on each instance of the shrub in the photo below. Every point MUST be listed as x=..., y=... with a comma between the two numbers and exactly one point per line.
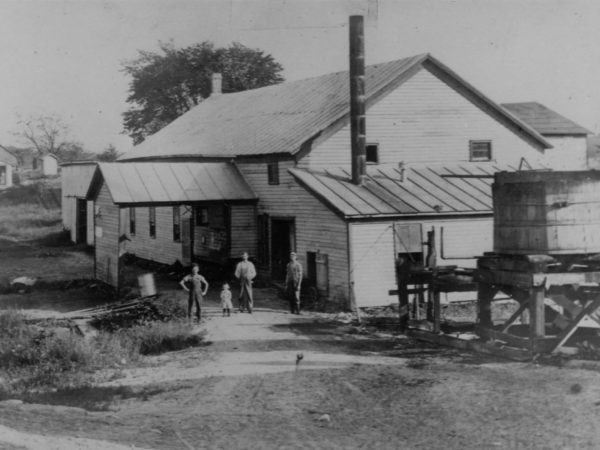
x=159, y=337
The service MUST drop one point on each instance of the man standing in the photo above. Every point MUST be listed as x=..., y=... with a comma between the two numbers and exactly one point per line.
x=245, y=272
x=293, y=280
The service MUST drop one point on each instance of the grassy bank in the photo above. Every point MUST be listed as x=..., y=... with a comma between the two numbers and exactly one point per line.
x=36, y=357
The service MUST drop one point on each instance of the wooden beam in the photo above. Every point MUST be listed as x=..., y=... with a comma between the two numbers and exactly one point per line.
x=485, y=296
x=515, y=315
x=558, y=279
x=537, y=317
x=568, y=332
x=510, y=339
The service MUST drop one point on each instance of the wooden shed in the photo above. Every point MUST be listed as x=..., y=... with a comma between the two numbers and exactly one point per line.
x=168, y=212
x=8, y=164
x=77, y=211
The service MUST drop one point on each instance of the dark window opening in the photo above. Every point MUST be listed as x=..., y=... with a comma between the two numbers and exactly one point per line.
x=273, y=172
x=372, y=153
x=201, y=216
x=152, y=221
x=3, y=180
x=132, y=221
x=176, y=224
x=480, y=150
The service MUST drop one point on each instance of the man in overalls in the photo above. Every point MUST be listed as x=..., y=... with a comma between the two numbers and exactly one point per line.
x=293, y=280
x=192, y=283
x=245, y=272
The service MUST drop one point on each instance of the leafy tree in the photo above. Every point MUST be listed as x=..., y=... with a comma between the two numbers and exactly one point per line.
x=166, y=84
x=109, y=154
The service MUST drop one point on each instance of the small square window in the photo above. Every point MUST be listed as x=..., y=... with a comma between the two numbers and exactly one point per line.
x=132, y=221
x=152, y=221
x=372, y=153
x=273, y=172
x=202, y=216
x=176, y=224
x=480, y=150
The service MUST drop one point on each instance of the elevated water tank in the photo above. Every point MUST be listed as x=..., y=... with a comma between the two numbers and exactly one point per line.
x=547, y=212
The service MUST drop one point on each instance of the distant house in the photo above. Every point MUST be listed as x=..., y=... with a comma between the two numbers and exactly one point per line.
x=47, y=164
x=593, y=151
x=8, y=164
x=568, y=139
x=267, y=171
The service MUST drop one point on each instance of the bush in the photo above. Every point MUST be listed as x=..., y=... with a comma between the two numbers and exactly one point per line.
x=159, y=337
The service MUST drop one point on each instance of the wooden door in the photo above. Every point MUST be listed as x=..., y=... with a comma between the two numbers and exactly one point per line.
x=186, y=241
x=81, y=221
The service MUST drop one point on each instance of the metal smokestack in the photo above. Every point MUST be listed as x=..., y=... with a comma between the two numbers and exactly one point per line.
x=357, y=99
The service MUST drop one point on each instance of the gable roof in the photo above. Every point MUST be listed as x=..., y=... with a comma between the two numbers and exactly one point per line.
x=170, y=183
x=460, y=189
x=7, y=157
x=544, y=120
x=283, y=118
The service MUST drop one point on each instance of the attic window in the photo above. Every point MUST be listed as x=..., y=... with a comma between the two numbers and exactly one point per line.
x=480, y=150
x=273, y=172
x=372, y=153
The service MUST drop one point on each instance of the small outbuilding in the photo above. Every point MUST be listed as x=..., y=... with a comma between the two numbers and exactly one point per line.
x=48, y=164
x=77, y=211
x=8, y=164
x=168, y=212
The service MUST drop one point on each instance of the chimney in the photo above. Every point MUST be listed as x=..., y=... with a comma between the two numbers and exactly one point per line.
x=357, y=99
x=216, y=85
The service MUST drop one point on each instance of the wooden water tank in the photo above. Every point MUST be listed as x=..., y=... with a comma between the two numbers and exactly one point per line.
x=547, y=212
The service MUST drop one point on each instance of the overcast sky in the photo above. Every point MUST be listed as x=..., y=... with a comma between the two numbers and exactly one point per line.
x=65, y=57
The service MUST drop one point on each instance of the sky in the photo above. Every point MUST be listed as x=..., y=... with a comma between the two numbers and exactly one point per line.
x=65, y=57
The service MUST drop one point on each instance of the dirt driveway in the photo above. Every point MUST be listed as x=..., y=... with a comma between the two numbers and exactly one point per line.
x=350, y=390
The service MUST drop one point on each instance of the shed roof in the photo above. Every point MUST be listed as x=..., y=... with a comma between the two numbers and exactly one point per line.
x=544, y=120
x=422, y=190
x=7, y=157
x=280, y=119
x=171, y=183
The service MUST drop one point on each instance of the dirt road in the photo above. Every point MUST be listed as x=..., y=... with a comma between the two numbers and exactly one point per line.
x=350, y=390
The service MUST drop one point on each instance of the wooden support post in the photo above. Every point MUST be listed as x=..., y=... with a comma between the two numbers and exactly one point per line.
x=437, y=311
x=537, y=320
x=485, y=295
x=402, y=277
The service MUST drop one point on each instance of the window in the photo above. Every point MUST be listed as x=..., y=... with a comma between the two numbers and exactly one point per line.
x=480, y=150
x=152, y=221
x=131, y=220
x=176, y=224
x=372, y=153
x=202, y=216
x=273, y=172
x=2, y=175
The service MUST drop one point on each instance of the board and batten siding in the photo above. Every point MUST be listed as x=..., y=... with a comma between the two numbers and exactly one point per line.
x=372, y=254
x=106, y=229
x=424, y=120
x=162, y=248
x=317, y=227
x=243, y=230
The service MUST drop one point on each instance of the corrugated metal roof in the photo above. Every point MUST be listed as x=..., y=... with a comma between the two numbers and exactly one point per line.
x=544, y=120
x=432, y=189
x=164, y=182
x=279, y=119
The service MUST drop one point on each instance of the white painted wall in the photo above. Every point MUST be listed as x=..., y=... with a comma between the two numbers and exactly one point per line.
x=372, y=254
x=425, y=120
x=568, y=153
x=49, y=165
x=8, y=182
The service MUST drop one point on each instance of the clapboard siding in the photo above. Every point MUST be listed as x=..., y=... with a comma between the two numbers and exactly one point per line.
x=372, y=255
x=317, y=228
x=75, y=181
x=162, y=248
x=243, y=230
x=424, y=120
x=107, y=238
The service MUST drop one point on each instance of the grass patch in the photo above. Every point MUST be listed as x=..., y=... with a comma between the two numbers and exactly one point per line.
x=29, y=221
x=36, y=358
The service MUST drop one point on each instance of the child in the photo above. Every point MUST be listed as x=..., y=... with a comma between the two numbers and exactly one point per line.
x=193, y=285
x=226, y=304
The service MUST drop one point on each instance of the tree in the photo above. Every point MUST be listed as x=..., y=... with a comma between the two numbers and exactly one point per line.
x=49, y=134
x=109, y=154
x=166, y=84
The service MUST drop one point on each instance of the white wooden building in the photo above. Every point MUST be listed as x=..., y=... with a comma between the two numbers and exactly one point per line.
x=568, y=139
x=433, y=144
x=8, y=164
x=48, y=164
x=77, y=211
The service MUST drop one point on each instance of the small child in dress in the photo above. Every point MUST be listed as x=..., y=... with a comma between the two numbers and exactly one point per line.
x=226, y=304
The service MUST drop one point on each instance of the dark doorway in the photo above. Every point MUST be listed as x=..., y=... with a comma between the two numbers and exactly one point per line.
x=283, y=241
x=81, y=221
